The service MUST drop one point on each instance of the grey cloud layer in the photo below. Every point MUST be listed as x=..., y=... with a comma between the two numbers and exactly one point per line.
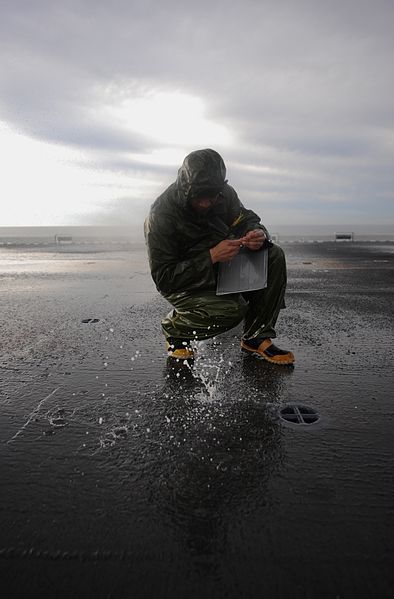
x=306, y=87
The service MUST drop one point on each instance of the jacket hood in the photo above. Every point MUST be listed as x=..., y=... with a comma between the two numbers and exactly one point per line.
x=201, y=171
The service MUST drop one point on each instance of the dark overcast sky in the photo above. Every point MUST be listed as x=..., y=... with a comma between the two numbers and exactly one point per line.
x=100, y=102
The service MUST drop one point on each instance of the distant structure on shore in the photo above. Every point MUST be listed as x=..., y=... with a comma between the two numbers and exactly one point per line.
x=343, y=236
x=63, y=239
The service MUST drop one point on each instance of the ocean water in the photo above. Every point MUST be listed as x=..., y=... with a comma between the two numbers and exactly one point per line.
x=132, y=235
x=46, y=236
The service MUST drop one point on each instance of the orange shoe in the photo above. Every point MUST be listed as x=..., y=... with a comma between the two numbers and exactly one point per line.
x=269, y=352
x=184, y=353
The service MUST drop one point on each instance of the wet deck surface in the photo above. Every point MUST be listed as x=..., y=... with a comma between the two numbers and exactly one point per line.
x=123, y=477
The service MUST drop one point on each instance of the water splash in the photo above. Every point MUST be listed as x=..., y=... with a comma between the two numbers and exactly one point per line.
x=210, y=372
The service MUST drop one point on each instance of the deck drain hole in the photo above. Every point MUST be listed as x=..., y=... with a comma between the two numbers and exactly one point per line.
x=88, y=320
x=299, y=414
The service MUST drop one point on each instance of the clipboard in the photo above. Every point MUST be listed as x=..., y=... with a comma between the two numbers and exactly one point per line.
x=247, y=271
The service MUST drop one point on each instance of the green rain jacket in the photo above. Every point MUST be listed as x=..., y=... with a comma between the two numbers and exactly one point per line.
x=179, y=240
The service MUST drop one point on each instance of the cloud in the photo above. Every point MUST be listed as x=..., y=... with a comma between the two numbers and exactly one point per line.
x=297, y=96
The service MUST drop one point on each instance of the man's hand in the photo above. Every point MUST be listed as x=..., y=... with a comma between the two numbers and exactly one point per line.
x=226, y=250
x=254, y=240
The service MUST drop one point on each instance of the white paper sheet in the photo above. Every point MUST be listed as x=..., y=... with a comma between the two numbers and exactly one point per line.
x=246, y=272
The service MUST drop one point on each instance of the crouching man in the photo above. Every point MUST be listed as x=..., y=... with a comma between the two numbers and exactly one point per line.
x=196, y=223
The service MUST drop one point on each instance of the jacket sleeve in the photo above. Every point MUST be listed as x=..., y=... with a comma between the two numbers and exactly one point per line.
x=242, y=219
x=171, y=271
x=248, y=221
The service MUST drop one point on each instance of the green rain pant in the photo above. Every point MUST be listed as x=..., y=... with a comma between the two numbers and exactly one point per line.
x=203, y=314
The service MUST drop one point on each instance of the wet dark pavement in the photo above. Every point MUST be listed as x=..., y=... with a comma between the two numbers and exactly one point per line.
x=123, y=477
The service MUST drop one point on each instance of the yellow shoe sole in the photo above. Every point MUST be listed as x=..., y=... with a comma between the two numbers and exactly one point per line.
x=180, y=354
x=286, y=359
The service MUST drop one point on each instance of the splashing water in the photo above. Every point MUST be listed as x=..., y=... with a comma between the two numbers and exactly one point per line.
x=210, y=373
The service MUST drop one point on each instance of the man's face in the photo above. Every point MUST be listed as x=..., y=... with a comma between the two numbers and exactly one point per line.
x=204, y=204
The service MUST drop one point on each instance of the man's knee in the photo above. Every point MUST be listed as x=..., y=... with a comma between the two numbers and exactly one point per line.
x=206, y=315
x=276, y=255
